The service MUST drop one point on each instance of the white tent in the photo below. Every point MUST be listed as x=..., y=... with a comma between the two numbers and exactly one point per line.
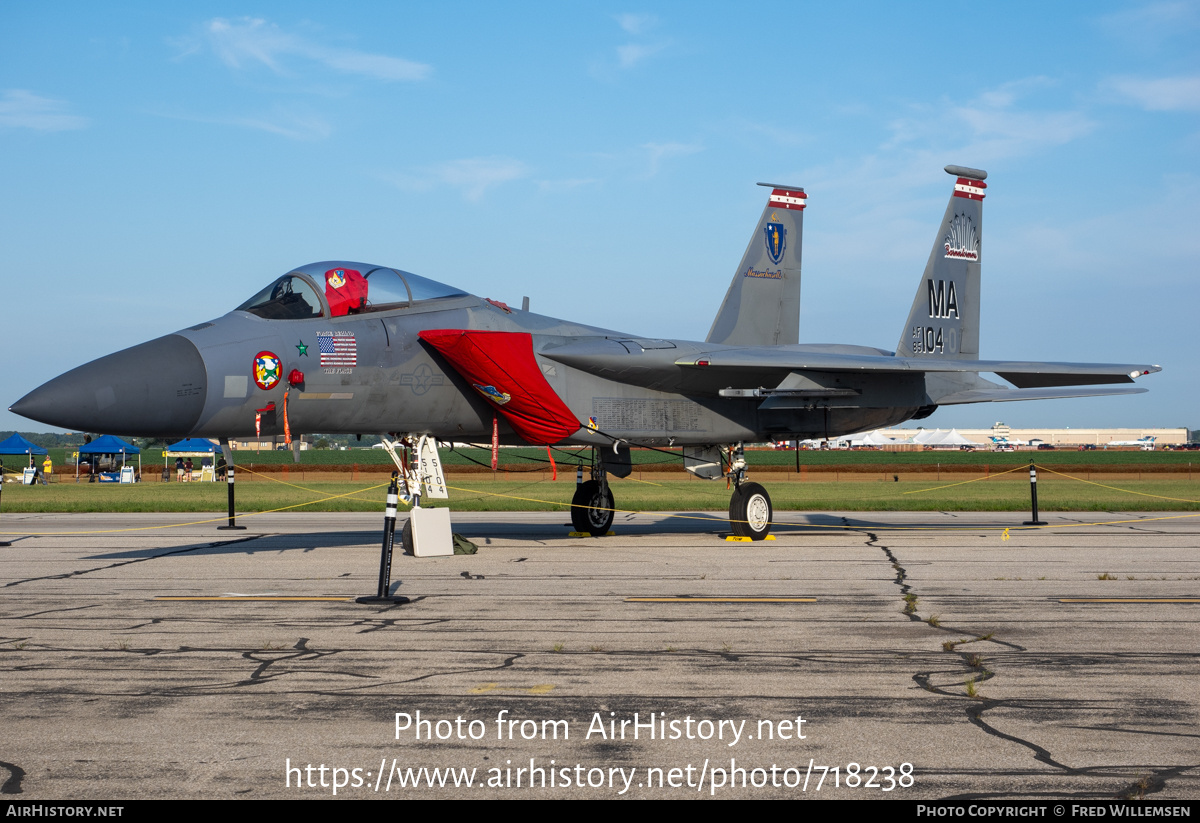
x=874, y=438
x=937, y=437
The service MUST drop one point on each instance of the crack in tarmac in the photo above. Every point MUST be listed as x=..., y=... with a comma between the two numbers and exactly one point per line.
x=1144, y=784
x=13, y=784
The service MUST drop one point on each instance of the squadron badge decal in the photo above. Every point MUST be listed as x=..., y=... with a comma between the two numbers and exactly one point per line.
x=492, y=393
x=962, y=240
x=268, y=369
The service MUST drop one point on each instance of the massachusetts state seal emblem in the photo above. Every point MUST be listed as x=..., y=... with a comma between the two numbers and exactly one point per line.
x=776, y=241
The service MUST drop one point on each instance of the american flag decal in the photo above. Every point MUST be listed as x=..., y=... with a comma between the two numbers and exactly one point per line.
x=337, y=349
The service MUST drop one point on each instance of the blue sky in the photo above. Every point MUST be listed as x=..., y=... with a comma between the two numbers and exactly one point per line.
x=160, y=163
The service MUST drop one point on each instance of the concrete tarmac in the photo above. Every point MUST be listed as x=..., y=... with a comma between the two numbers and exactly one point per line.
x=903, y=655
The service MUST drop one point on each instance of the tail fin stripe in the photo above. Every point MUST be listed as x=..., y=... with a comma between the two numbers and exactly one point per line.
x=786, y=199
x=971, y=189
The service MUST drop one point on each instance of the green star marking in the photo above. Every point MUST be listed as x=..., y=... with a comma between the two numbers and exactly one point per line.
x=302, y=348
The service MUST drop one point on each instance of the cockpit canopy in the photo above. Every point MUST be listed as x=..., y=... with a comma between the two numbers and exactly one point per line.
x=337, y=288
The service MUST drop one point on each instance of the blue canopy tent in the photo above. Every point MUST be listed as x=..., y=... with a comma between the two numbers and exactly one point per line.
x=19, y=445
x=191, y=447
x=108, y=445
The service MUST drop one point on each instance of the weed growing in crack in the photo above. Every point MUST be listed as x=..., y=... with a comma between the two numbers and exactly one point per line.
x=974, y=661
x=727, y=647
x=1105, y=576
x=559, y=646
x=910, y=603
x=1139, y=788
x=934, y=620
x=972, y=689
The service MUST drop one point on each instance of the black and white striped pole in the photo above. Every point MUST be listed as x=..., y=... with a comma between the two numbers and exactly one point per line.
x=389, y=541
x=228, y=452
x=3, y=543
x=1033, y=496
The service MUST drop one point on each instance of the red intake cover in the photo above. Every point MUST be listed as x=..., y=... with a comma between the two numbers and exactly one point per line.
x=501, y=367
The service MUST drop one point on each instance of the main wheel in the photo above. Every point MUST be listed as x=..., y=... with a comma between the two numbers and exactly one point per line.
x=750, y=511
x=592, y=509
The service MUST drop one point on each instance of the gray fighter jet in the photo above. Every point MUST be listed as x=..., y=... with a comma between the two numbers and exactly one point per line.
x=345, y=347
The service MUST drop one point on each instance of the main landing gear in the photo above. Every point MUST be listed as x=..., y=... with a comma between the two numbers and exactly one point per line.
x=592, y=506
x=750, y=510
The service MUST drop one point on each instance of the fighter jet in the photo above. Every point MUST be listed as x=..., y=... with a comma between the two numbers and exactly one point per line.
x=345, y=347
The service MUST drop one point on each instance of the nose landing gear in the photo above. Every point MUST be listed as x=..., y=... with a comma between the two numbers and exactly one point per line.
x=750, y=510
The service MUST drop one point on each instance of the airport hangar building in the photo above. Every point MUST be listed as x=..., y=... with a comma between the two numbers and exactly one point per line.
x=1062, y=437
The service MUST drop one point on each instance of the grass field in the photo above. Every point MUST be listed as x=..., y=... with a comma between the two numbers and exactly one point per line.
x=536, y=492
x=1179, y=461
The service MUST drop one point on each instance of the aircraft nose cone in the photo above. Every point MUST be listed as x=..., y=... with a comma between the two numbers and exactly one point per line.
x=155, y=389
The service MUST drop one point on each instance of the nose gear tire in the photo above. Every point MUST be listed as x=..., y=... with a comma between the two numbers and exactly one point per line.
x=750, y=511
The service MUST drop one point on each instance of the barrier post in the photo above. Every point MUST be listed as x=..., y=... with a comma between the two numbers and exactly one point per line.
x=228, y=452
x=4, y=542
x=389, y=541
x=1033, y=496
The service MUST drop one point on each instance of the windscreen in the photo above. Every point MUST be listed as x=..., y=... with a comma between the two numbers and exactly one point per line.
x=291, y=297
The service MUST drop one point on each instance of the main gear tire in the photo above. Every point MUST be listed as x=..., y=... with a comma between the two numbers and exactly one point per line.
x=750, y=511
x=592, y=509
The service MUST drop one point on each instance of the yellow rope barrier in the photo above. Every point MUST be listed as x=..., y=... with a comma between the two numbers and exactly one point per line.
x=301, y=488
x=677, y=515
x=1115, y=488
x=220, y=519
x=965, y=482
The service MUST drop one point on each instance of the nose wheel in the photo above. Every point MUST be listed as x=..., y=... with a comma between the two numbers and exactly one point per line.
x=750, y=511
x=592, y=508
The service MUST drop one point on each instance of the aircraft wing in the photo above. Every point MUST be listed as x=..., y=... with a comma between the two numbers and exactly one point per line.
x=697, y=368
x=1022, y=374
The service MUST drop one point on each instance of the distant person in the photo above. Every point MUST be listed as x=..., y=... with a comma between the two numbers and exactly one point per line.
x=47, y=468
x=187, y=470
x=179, y=469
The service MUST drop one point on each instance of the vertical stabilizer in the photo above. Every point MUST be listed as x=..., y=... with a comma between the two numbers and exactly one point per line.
x=944, y=320
x=762, y=306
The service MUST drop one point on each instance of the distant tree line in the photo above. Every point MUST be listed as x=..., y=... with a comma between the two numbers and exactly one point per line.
x=47, y=440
